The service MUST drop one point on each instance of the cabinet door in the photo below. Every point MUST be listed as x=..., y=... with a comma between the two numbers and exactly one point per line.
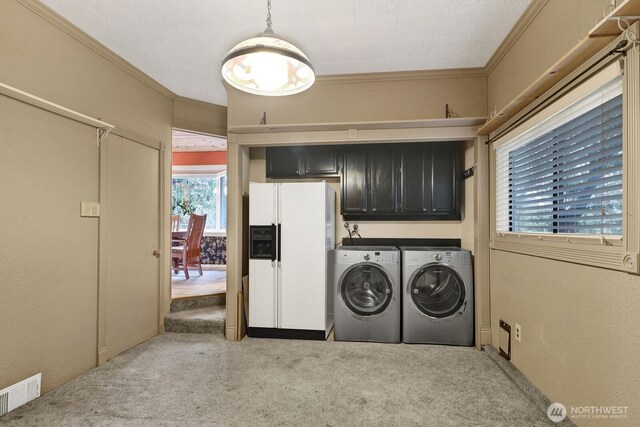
x=320, y=162
x=415, y=164
x=383, y=168
x=354, y=182
x=445, y=168
x=283, y=162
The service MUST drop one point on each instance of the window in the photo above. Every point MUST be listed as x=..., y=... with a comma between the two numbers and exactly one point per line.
x=565, y=180
x=564, y=176
x=201, y=194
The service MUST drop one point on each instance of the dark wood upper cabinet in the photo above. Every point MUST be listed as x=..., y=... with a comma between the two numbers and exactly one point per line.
x=355, y=183
x=383, y=171
x=302, y=162
x=321, y=162
x=415, y=166
x=414, y=181
x=284, y=162
x=417, y=181
x=445, y=173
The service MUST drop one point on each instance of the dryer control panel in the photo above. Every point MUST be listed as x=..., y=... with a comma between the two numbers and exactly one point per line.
x=452, y=257
x=421, y=256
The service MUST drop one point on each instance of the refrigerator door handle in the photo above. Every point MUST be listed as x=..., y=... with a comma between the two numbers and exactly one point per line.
x=279, y=196
x=274, y=242
x=278, y=299
x=279, y=242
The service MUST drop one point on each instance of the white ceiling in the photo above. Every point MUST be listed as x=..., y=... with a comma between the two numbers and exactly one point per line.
x=181, y=43
x=188, y=141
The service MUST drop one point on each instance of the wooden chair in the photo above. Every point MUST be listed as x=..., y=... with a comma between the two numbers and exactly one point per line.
x=175, y=222
x=188, y=253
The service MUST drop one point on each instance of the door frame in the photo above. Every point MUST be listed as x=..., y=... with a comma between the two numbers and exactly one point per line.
x=164, y=283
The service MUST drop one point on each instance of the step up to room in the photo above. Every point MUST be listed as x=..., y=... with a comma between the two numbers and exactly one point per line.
x=203, y=320
x=191, y=303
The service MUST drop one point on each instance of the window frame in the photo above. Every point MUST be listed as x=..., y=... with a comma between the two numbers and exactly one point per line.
x=617, y=253
x=218, y=175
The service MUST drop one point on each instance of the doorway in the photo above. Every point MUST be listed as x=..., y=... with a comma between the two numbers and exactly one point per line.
x=199, y=188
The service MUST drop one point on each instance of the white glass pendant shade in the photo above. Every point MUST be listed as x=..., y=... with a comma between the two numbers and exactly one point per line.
x=268, y=65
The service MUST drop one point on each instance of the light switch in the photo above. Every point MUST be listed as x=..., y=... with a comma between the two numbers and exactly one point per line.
x=90, y=209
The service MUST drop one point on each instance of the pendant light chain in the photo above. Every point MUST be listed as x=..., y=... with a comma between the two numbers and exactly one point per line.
x=268, y=13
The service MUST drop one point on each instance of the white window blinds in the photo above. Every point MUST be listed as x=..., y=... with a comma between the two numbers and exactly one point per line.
x=564, y=175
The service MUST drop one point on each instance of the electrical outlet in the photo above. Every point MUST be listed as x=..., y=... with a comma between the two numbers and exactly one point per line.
x=518, y=333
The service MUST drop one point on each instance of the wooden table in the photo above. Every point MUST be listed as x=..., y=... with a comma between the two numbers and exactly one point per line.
x=178, y=235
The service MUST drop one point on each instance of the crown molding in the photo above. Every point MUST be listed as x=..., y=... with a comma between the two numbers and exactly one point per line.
x=402, y=75
x=516, y=32
x=58, y=21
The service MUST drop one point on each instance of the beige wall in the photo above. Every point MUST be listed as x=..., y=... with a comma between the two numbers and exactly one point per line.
x=555, y=30
x=49, y=301
x=378, y=97
x=48, y=254
x=53, y=65
x=580, y=335
x=198, y=116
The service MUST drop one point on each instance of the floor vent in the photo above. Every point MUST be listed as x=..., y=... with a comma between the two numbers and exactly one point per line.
x=19, y=393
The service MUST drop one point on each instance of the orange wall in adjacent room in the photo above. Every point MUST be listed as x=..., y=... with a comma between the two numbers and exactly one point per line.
x=199, y=158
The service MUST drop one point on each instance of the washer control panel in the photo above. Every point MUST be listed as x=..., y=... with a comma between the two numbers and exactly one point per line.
x=380, y=257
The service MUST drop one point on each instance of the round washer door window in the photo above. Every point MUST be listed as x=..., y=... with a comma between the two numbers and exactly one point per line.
x=366, y=289
x=437, y=291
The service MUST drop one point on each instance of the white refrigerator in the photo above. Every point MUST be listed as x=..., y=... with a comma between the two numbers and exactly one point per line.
x=292, y=231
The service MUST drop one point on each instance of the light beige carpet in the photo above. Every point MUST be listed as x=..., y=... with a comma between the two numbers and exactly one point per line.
x=203, y=380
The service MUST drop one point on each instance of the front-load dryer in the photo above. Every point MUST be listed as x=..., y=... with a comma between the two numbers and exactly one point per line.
x=437, y=296
x=367, y=293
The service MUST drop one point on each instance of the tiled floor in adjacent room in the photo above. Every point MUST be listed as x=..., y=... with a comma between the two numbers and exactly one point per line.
x=203, y=380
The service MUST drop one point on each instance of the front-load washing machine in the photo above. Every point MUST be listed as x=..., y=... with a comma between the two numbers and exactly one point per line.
x=437, y=296
x=367, y=293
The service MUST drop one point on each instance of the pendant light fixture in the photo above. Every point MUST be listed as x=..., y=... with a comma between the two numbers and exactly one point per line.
x=268, y=65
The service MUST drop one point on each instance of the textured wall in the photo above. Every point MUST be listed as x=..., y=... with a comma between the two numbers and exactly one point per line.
x=48, y=254
x=198, y=116
x=422, y=96
x=555, y=30
x=580, y=335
